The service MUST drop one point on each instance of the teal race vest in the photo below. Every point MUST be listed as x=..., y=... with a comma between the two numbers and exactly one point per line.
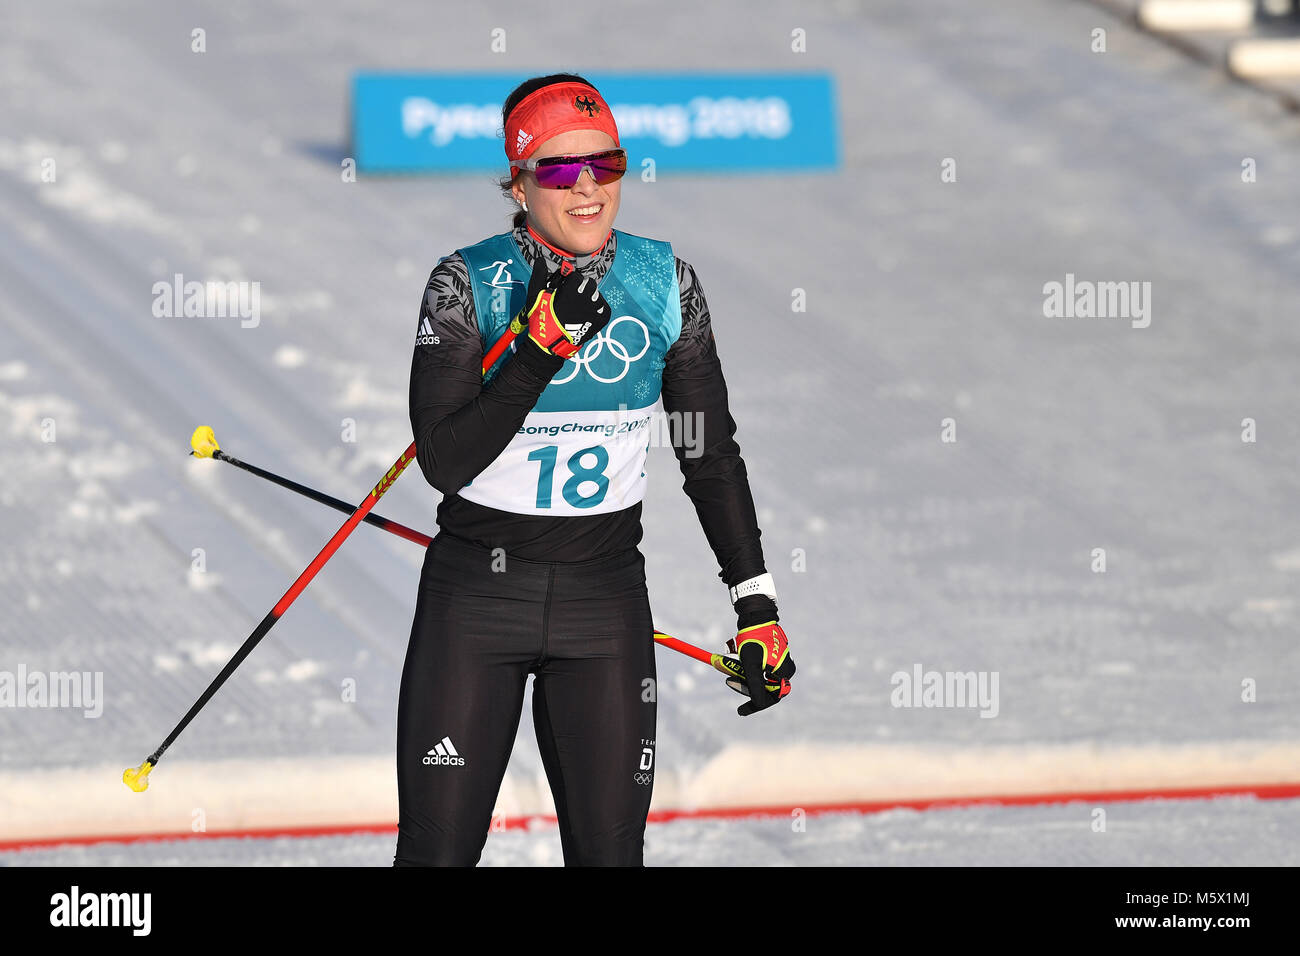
x=583, y=447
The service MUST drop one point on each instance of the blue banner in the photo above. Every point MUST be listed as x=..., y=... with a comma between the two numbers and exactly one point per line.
x=415, y=122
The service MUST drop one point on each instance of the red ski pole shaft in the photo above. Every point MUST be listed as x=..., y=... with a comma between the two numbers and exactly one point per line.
x=137, y=778
x=719, y=662
x=513, y=329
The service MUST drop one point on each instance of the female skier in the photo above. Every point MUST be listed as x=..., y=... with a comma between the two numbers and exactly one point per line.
x=540, y=460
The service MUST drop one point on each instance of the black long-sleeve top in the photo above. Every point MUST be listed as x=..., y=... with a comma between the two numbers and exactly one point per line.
x=461, y=425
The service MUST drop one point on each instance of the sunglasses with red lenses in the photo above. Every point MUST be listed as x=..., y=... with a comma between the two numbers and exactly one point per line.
x=563, y=172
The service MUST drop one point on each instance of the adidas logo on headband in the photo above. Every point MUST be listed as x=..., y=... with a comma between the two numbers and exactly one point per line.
x=554, y=109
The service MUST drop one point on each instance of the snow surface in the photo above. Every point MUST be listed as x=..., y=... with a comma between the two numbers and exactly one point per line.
x=1236, y=832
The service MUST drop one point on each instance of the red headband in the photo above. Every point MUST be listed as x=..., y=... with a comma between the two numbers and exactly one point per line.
x=552, y=110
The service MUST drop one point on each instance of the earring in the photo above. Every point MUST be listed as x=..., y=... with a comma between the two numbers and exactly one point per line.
x=524, y=204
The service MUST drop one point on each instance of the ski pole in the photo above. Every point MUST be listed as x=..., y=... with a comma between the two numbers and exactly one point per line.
x=720, y=662
x=204, y=443
x=137, y=778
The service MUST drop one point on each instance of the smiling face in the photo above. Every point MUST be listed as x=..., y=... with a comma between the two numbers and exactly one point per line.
x=551, y=211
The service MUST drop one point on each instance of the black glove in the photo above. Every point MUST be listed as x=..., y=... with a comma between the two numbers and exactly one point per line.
x=765, y=655
x=543, y=279
x=562, y=309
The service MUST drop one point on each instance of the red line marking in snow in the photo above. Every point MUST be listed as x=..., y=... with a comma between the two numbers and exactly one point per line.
x=1270, y=791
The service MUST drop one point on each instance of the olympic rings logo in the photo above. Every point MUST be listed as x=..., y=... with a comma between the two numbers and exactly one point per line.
x=592, y=350
x=643, y=778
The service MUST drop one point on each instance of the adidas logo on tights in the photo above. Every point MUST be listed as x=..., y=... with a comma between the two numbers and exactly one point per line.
x=444, y=754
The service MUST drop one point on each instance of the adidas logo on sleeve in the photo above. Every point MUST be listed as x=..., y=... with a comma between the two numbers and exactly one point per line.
x=425, y=336
x=444, y=754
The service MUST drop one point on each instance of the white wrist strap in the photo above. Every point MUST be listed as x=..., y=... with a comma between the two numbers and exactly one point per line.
x=763, y=584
